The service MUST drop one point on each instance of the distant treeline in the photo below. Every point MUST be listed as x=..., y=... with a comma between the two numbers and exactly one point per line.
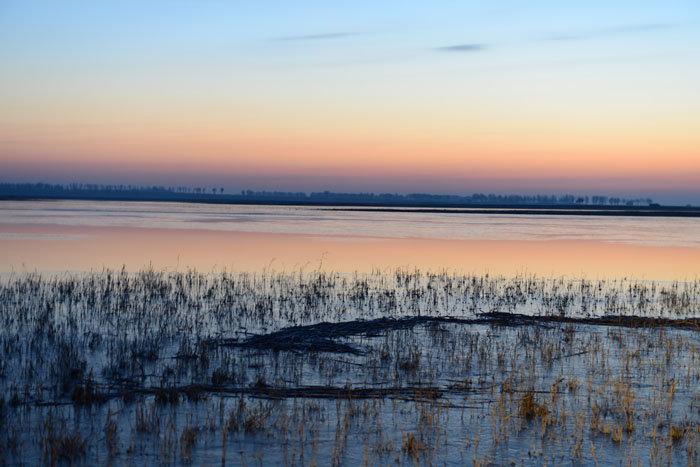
x=92, y=188
x=476, y=198
x=217, y=194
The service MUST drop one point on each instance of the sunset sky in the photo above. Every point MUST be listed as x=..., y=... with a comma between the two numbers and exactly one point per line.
x=445, y=97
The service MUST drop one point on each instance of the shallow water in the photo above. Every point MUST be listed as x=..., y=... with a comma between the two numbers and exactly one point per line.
x=178, y=368
x=92, y=235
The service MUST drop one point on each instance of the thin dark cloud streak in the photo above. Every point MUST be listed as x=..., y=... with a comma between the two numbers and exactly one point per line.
x=315, y=37
x=605, y=32
x=462, y=48
x=574, y=36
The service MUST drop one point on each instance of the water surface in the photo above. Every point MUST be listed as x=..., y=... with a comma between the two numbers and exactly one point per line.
x=93, y=235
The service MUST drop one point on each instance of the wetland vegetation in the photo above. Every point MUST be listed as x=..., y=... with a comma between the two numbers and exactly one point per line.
x=323, y=368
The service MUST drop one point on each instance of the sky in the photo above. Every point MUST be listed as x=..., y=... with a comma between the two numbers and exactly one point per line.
x=585, y=97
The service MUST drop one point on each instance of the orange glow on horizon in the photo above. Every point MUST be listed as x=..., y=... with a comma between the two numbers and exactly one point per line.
x=493, y=156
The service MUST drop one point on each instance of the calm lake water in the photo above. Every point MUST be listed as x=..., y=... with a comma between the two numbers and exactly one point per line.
x=55, y=236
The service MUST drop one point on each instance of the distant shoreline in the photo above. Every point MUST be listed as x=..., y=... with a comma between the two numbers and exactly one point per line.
x=437, y=208
x=619, y=212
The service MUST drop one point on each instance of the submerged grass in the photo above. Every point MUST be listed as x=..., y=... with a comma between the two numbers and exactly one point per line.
x=319, y=368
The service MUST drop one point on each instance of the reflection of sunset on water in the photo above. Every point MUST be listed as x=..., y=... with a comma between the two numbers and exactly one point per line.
x=94, y=248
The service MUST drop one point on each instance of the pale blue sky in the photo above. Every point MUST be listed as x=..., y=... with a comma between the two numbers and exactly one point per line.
x=405, y=67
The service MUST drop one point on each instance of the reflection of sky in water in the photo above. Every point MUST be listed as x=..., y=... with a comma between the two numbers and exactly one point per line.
x=324, y=222
x=83, y=236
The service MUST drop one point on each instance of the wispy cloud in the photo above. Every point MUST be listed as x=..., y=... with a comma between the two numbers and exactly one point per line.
x=462, y=48
x=316, y=37
x=604, y=32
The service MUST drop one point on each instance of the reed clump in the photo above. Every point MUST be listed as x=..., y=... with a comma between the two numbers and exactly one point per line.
x=157, y=367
